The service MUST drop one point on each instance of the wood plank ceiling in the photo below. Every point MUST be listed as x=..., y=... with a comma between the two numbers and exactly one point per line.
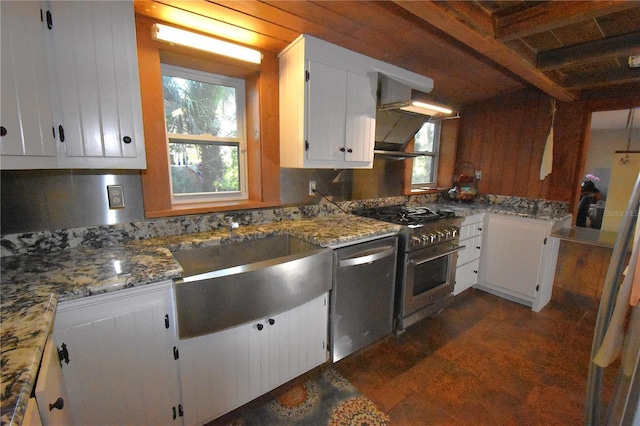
x=473, y=50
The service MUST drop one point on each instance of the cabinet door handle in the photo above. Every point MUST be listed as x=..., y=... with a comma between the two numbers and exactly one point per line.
x=49, y=20
x=271, y=321
x=63, y=354
x=59, y=404
x=260, y=326
x=126, y=139
x=61, y=133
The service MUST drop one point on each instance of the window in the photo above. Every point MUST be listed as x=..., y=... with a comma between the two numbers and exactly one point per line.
x=204, y=119
x=425, y=168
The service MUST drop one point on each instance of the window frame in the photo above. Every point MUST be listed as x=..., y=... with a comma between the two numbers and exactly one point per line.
x=434, y=154
x=240, y=94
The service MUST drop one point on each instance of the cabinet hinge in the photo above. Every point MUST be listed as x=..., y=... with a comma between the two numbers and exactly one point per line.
x=177, y=413
x=176, y=353
x=306, y=145
x=306, y=75
x=49, y=18
x=166, y=321
x=545, y=241
x=63, y=354
x=538, y=287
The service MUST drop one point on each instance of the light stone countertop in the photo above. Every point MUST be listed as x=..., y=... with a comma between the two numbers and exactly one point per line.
x=32, y=284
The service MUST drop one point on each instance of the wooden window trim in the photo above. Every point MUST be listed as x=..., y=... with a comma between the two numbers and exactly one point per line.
x=263, y=156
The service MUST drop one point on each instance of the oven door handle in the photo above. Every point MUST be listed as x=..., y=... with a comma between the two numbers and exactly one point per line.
x=420, y=261
x=368, y=258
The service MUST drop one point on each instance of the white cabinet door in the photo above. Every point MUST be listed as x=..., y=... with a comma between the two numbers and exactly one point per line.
x=121, y=367
x=224, y=370
x=97, y=89
x=327, y=106
x=326, y=124
x=51, y=393
x=27, y=139
x=513, y=256
x=466, y=276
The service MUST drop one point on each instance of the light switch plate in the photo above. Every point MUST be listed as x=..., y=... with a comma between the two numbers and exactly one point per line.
x=115, y=193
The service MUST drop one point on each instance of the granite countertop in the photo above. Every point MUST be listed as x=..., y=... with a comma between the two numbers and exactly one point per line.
x=32, y=285
x=595, y=237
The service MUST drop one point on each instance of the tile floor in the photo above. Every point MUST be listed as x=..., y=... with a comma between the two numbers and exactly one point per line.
x=484, y=361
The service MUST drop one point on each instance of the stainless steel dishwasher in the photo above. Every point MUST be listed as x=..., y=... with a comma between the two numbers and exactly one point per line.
x=362, y=297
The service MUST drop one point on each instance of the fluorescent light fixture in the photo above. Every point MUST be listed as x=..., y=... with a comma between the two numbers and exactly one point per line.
x=197, y=41
x=427, y=106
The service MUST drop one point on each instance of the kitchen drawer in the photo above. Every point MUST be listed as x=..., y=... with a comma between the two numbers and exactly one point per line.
x=471, y=227
x=466, y=276
x=471, y=251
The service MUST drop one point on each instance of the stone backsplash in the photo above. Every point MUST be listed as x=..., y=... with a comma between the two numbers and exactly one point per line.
x=110, y=235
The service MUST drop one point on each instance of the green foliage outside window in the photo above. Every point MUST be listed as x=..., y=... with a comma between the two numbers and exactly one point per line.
x=202, y=125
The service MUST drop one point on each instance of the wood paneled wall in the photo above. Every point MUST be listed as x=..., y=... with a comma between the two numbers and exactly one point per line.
x=505, y=138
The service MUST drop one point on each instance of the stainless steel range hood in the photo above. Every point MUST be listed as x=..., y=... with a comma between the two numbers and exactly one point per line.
x=402, y=111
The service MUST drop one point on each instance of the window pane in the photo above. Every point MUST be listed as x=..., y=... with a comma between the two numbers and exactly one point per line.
x=425, y=137
x=199, y=108
x=204, y=167
x=423, y=170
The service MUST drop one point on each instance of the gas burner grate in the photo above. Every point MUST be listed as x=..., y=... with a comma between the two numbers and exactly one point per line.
x=399, y=214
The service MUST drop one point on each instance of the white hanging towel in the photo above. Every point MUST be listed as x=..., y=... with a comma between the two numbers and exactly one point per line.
x=613, y=339
x=547, y=157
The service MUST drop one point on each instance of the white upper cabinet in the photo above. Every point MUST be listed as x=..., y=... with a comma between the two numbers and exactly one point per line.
x=327, y=106
x=328, y=102
x=86, y=67
x=97, y=87
x=27, y=139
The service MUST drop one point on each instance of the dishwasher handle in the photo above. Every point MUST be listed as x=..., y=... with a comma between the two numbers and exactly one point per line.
x=370, y=257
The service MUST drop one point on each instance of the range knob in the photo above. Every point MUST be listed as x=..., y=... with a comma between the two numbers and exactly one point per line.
x=416, y=240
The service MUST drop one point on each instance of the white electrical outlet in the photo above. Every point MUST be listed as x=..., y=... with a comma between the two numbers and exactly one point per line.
x=478, y=175
x=312, y=187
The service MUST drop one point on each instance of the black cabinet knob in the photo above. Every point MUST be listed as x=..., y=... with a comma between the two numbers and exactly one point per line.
x=342, y=149
x=260, y=326
x=3, y=131
x=126, y=139
x=59, y=404
x=271, y=321
x=349, y=150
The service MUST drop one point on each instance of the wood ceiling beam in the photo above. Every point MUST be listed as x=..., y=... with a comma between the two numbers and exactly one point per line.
x=487, y=46
x=552, y=15
x=603, y=78
x=583, y=53
x=472, y=14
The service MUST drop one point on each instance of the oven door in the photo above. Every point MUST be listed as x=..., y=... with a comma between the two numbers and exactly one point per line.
x=430, y=275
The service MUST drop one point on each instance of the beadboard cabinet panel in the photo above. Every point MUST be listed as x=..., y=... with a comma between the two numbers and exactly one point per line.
x=97, y=86
x=121, y=367
x=27, y=119
x=222, y=371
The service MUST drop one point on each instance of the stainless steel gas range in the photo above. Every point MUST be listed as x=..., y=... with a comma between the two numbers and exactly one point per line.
x=427, y=255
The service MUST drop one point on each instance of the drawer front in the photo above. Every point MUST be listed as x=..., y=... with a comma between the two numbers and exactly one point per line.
x=471, y=251
x=471, y=230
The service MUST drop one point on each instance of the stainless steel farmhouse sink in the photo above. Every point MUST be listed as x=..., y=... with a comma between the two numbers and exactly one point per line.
x=232, y=284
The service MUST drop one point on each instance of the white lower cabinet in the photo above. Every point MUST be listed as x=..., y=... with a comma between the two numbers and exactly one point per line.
x=51, y=393
x=519, y=259
x=468, y=261
x=120, y=367
x=222, y=371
